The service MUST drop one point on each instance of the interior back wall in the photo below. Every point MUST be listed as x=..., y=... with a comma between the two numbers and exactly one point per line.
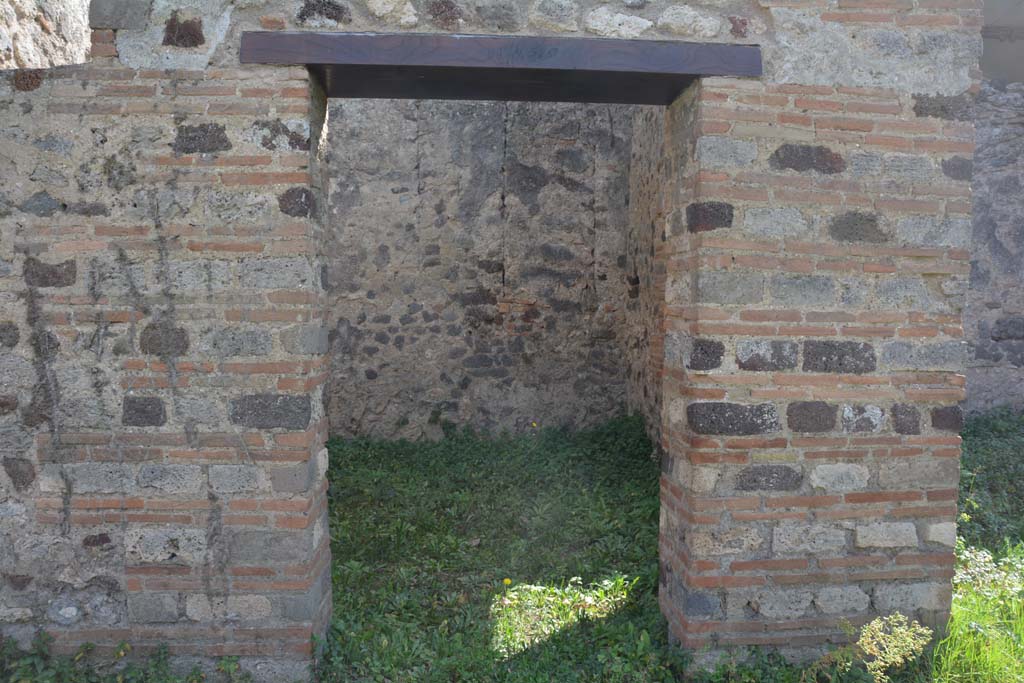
x=475, y=264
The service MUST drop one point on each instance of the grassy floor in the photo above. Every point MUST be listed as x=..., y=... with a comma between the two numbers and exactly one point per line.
x=534, y=559
x=525, y=559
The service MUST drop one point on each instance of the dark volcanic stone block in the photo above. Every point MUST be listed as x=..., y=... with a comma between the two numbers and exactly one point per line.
x=39, y=274
x=732, y=419
x=906, y=419
x=201, y=139
x=297, y=201
x=704, y=216
x=143, y=411
x=856, y=226
x=811, y=416
x=1008, y=328
x=163, y=339
x=271, y=411
x=20, y=471
x=707, y=354
x=769, y=478
x=805, y=158
x=949, y=418
x=950, y=107
x=9, y=334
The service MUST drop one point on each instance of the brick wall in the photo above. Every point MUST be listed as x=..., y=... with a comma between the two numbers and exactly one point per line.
x=162, y=430
x=812, y=415
x=795, y=270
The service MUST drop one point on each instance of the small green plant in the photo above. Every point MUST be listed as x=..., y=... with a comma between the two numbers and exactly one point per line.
x=39, y=664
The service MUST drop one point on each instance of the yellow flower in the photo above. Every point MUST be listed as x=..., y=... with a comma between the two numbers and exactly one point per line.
x=507, y=582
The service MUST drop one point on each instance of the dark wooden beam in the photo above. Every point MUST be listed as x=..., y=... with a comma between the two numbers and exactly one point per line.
x=444, y=66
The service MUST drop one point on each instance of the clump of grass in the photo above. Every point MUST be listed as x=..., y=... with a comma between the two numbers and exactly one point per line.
x=985, y=641
x=39, y=664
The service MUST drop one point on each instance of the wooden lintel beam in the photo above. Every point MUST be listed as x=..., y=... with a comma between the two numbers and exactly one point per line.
x=445, y=66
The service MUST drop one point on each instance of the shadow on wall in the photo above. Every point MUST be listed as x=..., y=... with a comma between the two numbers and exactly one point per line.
x=994, y=317
x=476, y=264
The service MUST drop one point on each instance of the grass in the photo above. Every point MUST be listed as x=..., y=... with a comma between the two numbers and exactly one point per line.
x=985, y=641
x=424, y=535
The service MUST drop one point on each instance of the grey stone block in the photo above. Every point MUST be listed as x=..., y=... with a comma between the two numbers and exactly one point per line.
x=805, y=158
x=791, y=538
x=275, y=273
x=887, y=535
x=706, y=354
x=775, y=222
x=716, y=150
x=842, y=600
x=292, y=478
x=234, y=478
x=306, y=340
x=119, y=14
x=865, y=418
x=259, y=546
x=235, y=340
x=727, y=287
x=934, y=231
x=153, y=608
x=172, y=479
x=704, y=216
x=840, y=477
x=39, y=274
x=906, y=419
x=165, y=544
x=760, y=355
x=99, y=477
x=802, y=290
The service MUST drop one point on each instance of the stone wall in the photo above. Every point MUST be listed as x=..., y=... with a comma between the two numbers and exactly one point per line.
x=35, y=34
x=994, y=318
x=474, y=260
x=645, y=270
x=165, y=214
